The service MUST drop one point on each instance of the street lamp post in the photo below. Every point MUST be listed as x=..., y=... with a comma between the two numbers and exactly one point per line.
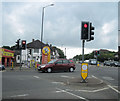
x=42, y=28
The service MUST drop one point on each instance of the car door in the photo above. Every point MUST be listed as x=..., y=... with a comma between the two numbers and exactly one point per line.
x=58, y=65
x=65, y=65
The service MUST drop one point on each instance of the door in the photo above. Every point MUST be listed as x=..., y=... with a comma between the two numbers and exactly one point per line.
x=58, y=65
x=66, y=65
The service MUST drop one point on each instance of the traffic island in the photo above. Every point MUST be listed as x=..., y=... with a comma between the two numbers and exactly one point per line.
x=90, y=82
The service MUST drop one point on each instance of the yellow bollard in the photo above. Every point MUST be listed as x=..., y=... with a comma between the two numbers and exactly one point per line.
x=35, y=64
x=12, y=66
x=30, y=64
x=98, y=64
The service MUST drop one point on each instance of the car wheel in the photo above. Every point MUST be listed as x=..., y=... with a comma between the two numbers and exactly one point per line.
x=71, y=69
x=49, y=70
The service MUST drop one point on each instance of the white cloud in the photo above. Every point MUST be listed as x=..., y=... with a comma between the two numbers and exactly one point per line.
x=73, y=51
x=109, y=27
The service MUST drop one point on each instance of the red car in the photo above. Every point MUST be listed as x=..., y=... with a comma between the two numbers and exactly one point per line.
x=57, y=65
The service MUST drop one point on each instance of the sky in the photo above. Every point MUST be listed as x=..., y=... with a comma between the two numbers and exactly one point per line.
x=62, y=24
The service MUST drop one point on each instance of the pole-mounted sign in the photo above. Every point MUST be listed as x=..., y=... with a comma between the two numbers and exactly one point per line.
x=84, y=71
x=45, y=55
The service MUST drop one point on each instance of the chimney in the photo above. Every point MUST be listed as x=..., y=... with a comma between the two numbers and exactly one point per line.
x=33, y=40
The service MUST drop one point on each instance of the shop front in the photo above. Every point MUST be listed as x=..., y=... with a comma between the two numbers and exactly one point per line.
x=6, y=57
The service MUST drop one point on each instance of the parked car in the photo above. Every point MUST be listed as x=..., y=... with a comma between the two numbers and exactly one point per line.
x=117, y=64
x=2, y=67
x=113, y=63
x=92, y=61
x=57, y=65
x=106, y=63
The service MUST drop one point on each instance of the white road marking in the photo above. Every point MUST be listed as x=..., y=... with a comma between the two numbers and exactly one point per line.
x=36, y=77
x=57, y=82
x=97, y=78
x=72, y=94
x=114, y=89
x=107, y=78
x=93, y=91
x=2, y=71
x=20, y=95
x=64, y=76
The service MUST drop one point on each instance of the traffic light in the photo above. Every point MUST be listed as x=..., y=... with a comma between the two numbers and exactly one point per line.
x=23, y=44
x=17, y=43
x=84, y=30
x=98, y=53
x=91, y=33
x=29, y=51
x=95, y=53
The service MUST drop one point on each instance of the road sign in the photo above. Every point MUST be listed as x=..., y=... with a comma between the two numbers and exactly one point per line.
x=45, y=55
x=46, y=50
x=84, y=71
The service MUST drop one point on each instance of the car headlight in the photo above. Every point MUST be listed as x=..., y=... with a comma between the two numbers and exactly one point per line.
x=43, y=66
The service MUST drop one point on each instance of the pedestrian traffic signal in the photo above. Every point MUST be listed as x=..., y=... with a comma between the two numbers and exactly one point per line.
x=91, y=33
x=23, y=44
x=17, y=43
x=84, y=30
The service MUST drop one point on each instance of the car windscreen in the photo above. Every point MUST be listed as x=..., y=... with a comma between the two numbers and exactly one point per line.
x=52, y=61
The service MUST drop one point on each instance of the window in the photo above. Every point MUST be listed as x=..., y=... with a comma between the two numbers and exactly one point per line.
x=36, y=50
x=18, y=57
x=59, y=62
x=65, y=61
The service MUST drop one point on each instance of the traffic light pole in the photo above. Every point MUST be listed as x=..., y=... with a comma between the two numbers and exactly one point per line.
x=83, y=43
x=20, y=57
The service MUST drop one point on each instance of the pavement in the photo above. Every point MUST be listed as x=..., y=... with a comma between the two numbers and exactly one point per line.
x=17, y=68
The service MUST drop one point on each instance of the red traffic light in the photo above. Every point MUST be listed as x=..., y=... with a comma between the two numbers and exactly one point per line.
x=23, y=42
x=85, y=25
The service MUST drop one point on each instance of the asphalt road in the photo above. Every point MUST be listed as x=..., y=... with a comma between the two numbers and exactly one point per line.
x=36, y=85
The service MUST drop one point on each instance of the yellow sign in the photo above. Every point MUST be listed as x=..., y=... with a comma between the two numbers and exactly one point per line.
x=84, y=70
x=8, y=54
x=45, y=55
x=46, y=50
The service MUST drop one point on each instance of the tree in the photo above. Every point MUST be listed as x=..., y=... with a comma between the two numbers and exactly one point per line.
x=60, y=52
x=7, y=47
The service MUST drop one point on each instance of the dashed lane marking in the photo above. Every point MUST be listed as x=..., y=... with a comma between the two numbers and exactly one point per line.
x=108, y=78
x=20, y=95
x=64, y=76
x=36, y=77
x=58, y=83
x=61, y=90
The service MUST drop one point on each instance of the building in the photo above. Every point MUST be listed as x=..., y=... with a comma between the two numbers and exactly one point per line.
x=6, y=57
x=33, y=52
